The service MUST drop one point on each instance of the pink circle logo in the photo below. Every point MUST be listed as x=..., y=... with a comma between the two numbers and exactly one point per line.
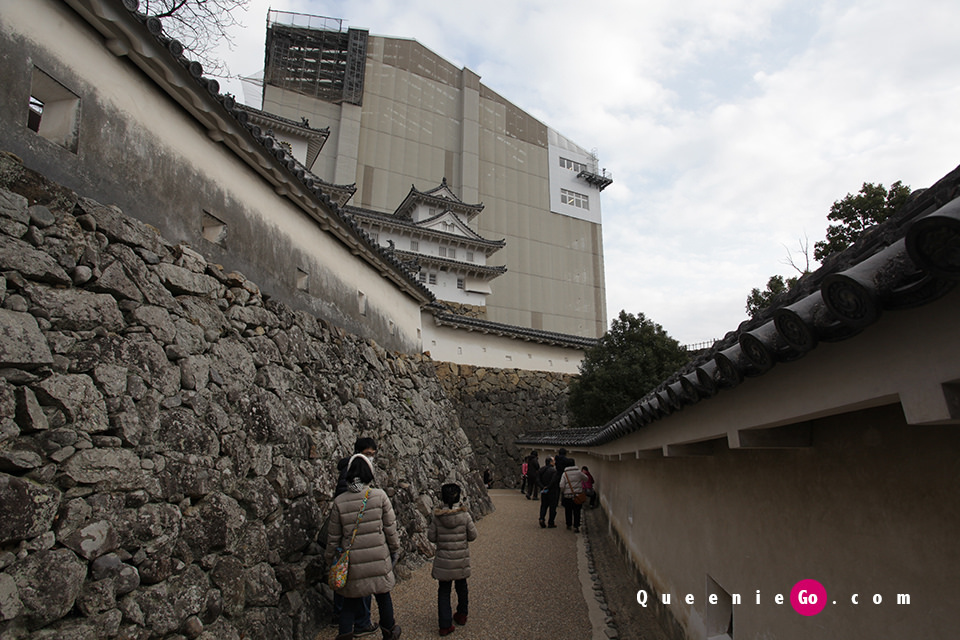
x=808, y=597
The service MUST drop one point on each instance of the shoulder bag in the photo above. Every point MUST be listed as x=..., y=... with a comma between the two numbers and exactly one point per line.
x=339, y=569
x=578, y=497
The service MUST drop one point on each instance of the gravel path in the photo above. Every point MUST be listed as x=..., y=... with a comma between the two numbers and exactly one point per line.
x=524, y=583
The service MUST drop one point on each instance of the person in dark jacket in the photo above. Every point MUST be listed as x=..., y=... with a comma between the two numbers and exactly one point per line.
x=451, y=529
x=550, y=494
x=561, y=462
x=363, y=625
x=533, y=469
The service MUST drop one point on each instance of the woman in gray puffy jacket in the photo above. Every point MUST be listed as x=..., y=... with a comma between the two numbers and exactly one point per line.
x=451, y=529
x=374, y=549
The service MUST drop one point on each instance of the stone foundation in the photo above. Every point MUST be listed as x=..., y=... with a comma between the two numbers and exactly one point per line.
x=168, y=435
x=494, y=406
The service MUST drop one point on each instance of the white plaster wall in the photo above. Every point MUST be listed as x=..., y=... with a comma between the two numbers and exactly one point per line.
x=447, y=344
x=53, y=27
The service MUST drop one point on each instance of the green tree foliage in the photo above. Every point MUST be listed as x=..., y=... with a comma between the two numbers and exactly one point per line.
x=855, y=213
x=629, y=360
x=758, y=300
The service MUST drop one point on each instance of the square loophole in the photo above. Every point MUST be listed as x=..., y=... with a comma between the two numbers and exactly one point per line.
x=53, y=111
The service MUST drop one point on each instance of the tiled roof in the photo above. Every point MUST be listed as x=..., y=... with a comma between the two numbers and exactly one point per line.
x=475, y=239
x=489, y=271
x=453, y=203
x=910, y=260
x=444, y=318
x=141, y=39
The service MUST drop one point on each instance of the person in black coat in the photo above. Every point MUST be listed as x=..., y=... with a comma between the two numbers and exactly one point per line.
x=550, y=494
x=533, y=472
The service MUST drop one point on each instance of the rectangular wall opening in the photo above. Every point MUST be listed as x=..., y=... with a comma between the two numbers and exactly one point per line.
x=303, y=280
x=719, y=612
x=214, y=229
x=53, y=111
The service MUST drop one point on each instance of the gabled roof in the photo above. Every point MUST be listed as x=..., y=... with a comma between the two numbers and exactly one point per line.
x=471, y=239
x=911, y=260
x=141, y=40
x=439, y=196
x=316, y=138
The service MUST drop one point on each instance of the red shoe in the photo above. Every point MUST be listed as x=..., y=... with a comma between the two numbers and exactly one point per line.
x=448, y=630
x=460, y=618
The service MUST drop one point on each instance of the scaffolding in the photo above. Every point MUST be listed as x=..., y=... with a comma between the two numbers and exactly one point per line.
x=314, y=56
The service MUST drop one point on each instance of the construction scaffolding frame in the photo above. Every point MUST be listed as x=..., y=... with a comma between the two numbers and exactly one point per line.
x=314, y=56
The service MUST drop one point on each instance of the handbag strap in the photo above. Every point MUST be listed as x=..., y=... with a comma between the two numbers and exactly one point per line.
x=569, y=483
x=363, y=507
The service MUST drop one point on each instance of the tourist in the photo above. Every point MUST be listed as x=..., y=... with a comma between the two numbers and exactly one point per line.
x=561, y=462
x=533, y=468
x=451, y=529
x=589, y=487
x=362, y=625
x=363, y=521
x=549, y=494
x=571, y=488
x=523, y=475
x=487, y=478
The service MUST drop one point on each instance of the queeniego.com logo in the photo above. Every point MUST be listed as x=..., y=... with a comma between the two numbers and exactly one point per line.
x=808, y=598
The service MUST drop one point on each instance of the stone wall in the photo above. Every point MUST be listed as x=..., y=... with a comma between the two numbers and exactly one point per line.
x=168, y=436
x=496, y=405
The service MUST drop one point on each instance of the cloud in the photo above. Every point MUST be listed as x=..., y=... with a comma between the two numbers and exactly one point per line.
x=730, y=128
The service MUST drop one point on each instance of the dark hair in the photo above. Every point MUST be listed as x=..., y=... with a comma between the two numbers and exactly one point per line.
x=364, y=443
x=361, y=469
x=584, y=468
x=562, y=451
x=450, y=494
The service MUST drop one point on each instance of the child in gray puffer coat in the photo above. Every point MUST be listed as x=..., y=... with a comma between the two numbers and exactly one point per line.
x=451, y=529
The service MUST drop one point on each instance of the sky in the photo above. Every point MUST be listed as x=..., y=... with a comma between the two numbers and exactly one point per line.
x=729, y=127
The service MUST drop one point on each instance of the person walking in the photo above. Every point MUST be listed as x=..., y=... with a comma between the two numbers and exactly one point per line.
x=589, y=487
x=571, y=488
x=549, y=494
x=362, y=520
x=561, y=462
x=451, y=529
x=362, y=624
x=523, y=475
x=533, y=468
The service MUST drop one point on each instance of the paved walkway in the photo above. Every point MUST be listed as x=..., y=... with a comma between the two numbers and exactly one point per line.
x=527, y=583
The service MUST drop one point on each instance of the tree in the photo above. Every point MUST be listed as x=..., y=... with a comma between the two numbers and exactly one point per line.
x=629, y=360
x=199, y=25
x=758, y=300
x=856, y=213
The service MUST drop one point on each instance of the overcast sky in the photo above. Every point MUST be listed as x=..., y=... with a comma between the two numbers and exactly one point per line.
x=730, y=126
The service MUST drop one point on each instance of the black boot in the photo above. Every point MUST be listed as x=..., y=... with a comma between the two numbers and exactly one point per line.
x=391, y=634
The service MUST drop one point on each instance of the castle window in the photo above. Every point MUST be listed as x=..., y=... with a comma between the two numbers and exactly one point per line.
x=433, y=278
x=452, y=253
x=469, y=256
x=422, y=276
x=460, y=283
x=414, y=245
x=214, y=229
x=53, y=111
x=575, y=199
x=442, y=252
